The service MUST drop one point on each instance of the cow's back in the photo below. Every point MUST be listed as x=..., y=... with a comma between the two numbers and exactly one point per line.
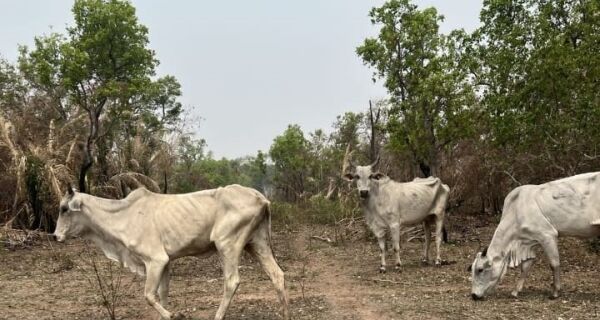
x=568, y=205
x=187, y=223
x=412, y=201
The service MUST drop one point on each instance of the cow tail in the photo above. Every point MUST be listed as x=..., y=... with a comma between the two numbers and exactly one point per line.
x=444, y=234
x=268, y=212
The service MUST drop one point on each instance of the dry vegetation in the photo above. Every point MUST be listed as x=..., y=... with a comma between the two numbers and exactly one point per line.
x=325, y=281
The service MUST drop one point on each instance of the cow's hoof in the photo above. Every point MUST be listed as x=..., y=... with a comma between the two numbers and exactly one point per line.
x=398, y=267
x=178, y=316
x=515, y=294
x=438, y=263
x=554, y=296
x=424, y=262
x=382, y=269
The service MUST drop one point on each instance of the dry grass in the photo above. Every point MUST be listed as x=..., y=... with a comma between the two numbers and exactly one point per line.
x=325, y=281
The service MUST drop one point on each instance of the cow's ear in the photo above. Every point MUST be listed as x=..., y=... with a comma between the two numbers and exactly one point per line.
x=484, y=251
x=75, y=205
x=377, y=175
x=348, y=177
x=487, y=264
x=70, y=190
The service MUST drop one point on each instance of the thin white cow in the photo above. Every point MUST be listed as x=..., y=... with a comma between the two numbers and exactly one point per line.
x=536, y=215
x=388, y=204
x=146, y=231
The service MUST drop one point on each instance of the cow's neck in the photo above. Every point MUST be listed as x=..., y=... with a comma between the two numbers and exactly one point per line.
x=108, y=217
x=376, y=188
x=502, y=239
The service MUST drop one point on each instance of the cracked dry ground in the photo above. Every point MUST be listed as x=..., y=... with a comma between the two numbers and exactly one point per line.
x=325, y=281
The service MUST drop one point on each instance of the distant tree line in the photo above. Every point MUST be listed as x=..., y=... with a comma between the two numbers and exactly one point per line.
x=516, y=101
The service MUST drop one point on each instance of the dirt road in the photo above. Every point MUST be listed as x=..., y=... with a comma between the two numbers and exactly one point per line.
x=325, y=281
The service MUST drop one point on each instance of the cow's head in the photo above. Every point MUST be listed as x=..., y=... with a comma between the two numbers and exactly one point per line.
x=366, y=177
x=486, y=271
x=70, y=218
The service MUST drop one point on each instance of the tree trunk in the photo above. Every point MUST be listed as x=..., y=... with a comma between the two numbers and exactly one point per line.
x=166, y=183
x=374, y=119
x=425, y=169
x=432, y=153
x=88, y=160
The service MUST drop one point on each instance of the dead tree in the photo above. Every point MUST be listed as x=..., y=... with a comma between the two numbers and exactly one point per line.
x=374, y=120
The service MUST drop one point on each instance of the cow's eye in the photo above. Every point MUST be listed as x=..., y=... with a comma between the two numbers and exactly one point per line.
x=480, y=270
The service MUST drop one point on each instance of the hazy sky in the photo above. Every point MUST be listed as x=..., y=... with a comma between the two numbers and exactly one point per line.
x=249, y=68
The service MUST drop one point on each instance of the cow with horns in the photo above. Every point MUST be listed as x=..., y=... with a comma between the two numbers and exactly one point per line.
x=391, y=205
x=536, y=215
x=147, y=231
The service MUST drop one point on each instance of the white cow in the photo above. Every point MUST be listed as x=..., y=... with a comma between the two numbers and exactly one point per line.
x=146, y=231
x=536, y=215
x=391, y=205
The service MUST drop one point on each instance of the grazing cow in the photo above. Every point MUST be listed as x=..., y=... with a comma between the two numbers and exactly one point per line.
x=535, y=215
x=391, y=205
x=146, y=231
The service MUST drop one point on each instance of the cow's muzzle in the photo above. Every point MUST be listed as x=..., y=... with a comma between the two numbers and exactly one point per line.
x=475, y=297
x=364, y=194
x=58, y=238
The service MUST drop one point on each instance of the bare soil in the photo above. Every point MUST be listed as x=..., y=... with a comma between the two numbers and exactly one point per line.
x=338, y=280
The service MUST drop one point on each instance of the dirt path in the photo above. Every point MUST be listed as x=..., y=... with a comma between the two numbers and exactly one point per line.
x=347, y=297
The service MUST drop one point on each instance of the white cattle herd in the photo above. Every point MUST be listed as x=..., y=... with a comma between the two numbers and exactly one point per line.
x=146, y=231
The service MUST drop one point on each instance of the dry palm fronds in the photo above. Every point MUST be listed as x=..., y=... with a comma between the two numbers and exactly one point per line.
x=7, y=138
x=135, y=165
x=132, y=180
x=51, y=137
x=71, y=148
x=55, y=173
x=346, y=162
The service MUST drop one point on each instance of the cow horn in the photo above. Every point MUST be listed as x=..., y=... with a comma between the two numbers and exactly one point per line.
x=352, y=165
x=375, y=162
x=484, y=251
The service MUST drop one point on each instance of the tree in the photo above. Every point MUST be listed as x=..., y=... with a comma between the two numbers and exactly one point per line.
x=101, y=64
x=289, y=153
x=537, y=65
x=13, y=90
x=423, y=72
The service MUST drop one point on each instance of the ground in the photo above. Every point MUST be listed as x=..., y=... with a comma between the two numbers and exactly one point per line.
x=338, y=280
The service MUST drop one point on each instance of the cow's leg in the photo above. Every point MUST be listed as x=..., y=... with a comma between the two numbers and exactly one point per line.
x=380, y=235
x=551, y=248
x=427, y=231
x=525, y=268
x=439, y=226
x=154, y=273
x=163, y=287
x=262, y=251
x=230, y=259
x=395, y=231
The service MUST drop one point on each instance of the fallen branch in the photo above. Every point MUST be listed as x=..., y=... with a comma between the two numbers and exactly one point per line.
x=383, y=280
x=326, y=239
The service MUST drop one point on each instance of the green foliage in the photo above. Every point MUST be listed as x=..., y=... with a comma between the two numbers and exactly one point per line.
x=538, y=67
x=422, y=71
x=108, y=47
x=12, y=88
x=290, y=155
x=103, y=66
x=195, y=170
x=317, y=210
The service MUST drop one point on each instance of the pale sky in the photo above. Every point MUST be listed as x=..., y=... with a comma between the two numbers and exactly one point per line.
x=249, y=68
